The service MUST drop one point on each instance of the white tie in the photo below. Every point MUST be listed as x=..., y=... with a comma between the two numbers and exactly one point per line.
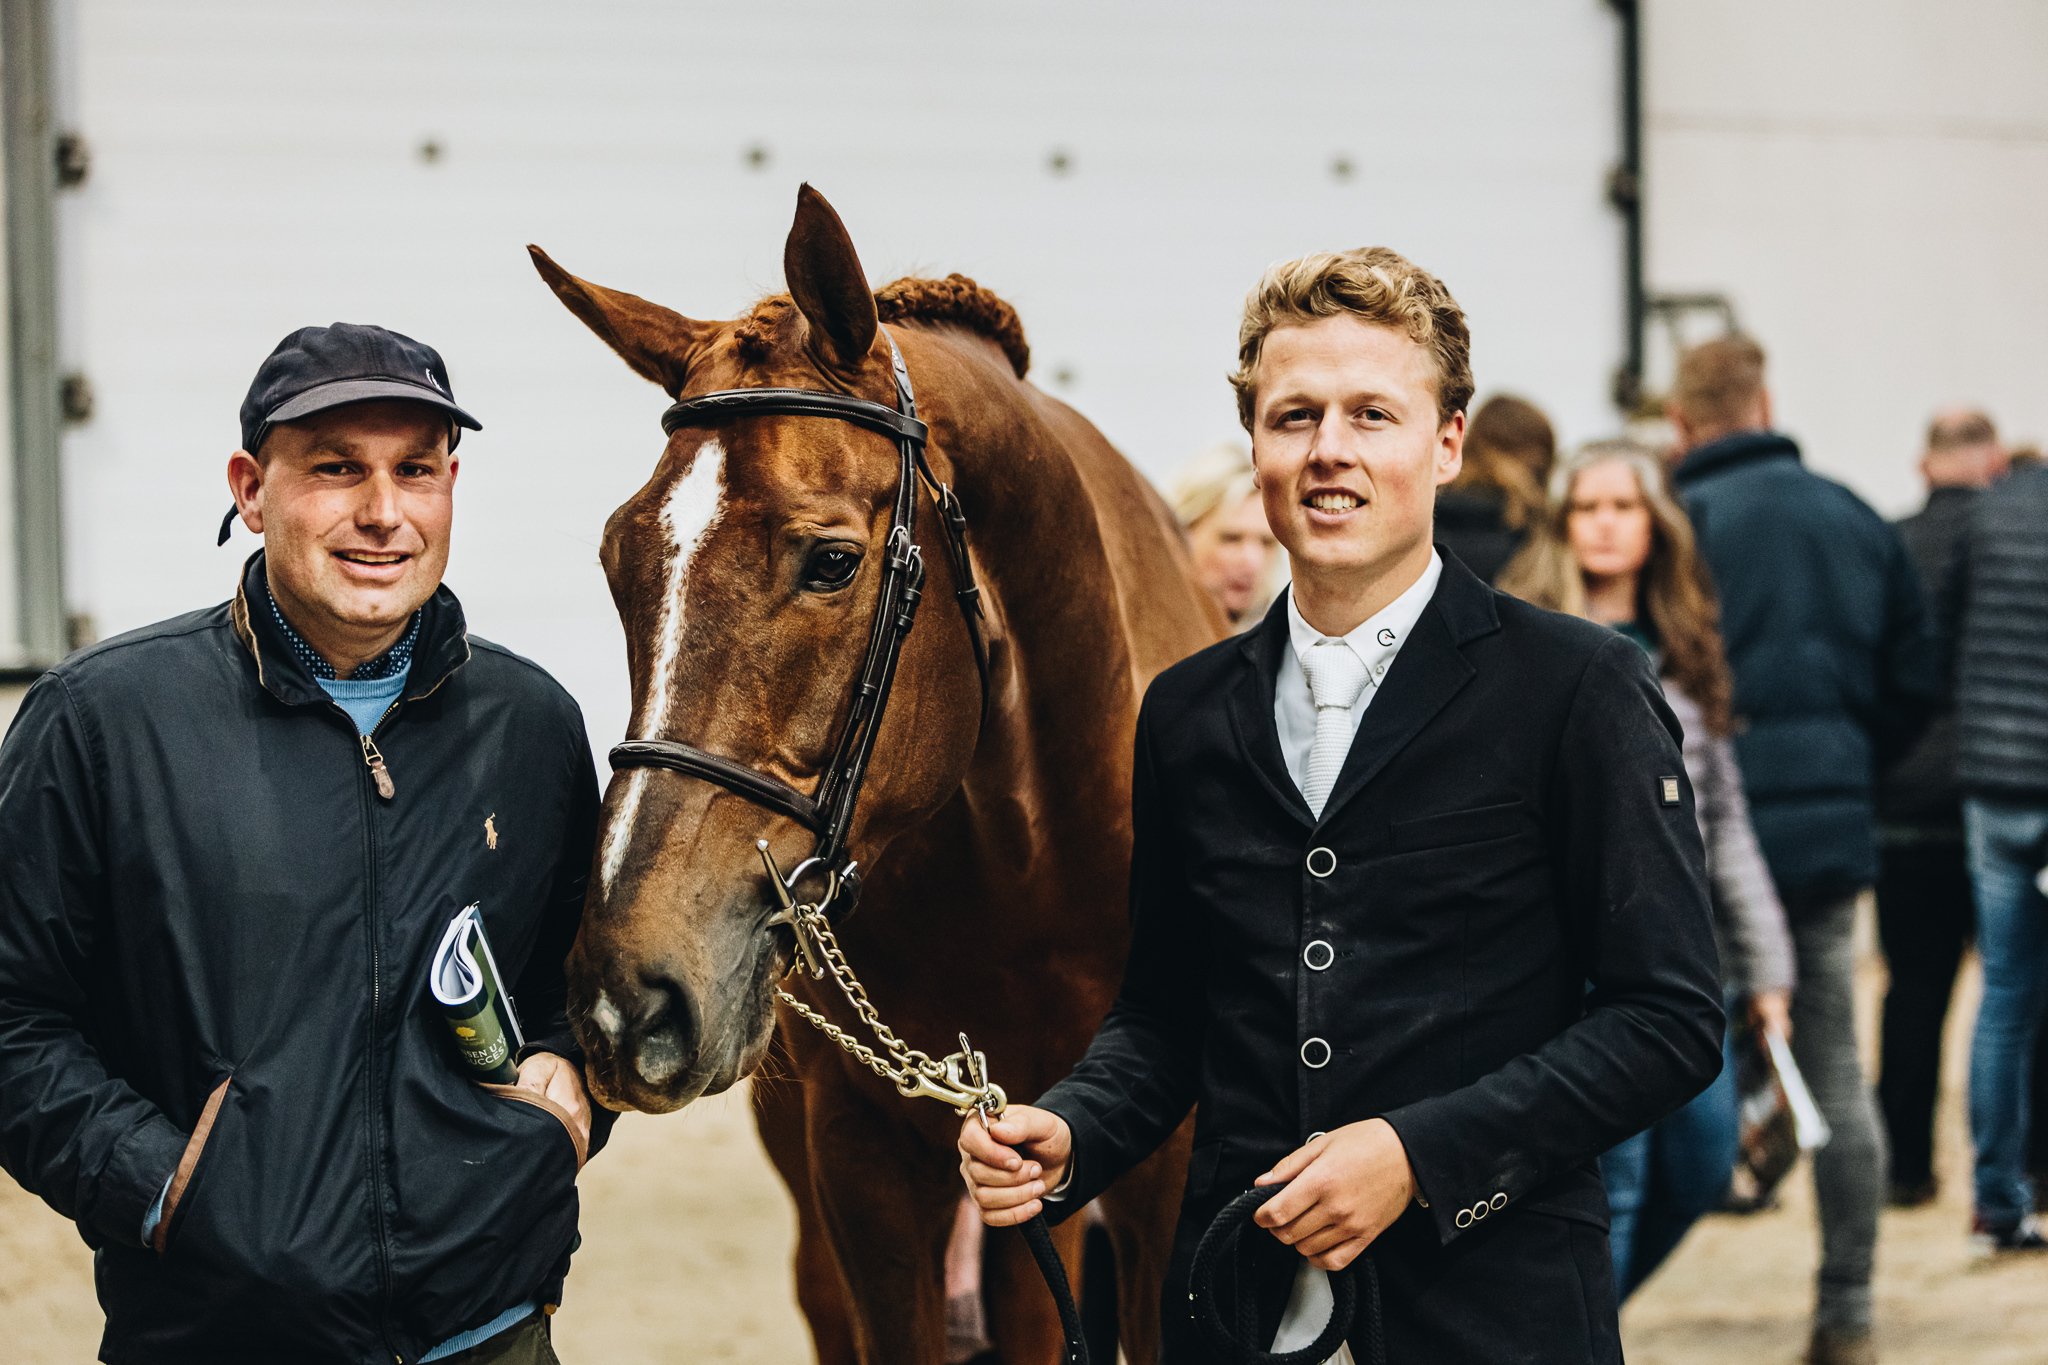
x=1336, y=677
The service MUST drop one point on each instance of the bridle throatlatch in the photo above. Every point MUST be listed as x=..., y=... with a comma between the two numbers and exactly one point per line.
x=960, y=1080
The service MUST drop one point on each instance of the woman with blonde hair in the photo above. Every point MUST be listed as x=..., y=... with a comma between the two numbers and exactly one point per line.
x=1614, y=547
x=1235, y=553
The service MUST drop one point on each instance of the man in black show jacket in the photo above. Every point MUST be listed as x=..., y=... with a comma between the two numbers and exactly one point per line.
x=229, y=844
x=1425, y=978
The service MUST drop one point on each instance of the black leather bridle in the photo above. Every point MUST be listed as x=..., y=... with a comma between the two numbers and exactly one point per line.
x=829, y=814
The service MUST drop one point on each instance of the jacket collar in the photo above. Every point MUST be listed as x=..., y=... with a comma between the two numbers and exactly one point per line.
x=1430, y=669
x=443, y=644
x=1744, y=447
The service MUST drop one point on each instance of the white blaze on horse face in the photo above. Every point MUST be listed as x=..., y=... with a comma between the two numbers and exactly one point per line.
x=689, y=514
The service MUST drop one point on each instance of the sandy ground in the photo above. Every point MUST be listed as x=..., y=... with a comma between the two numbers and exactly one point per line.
x=688, y=1234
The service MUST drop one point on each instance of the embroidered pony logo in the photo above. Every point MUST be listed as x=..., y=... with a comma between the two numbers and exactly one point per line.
x=491, y=831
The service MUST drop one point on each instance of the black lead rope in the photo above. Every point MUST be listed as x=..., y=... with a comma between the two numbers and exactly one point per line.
x=1038, y=1237
x=1237, y=1337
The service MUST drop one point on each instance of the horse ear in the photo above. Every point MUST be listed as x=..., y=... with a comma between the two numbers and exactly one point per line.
x=657, y=342
x=826, y=280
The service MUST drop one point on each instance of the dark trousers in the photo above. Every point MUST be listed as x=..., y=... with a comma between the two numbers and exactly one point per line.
x=1924, y=920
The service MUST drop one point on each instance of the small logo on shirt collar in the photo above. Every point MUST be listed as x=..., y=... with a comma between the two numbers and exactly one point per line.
x=1386, y=636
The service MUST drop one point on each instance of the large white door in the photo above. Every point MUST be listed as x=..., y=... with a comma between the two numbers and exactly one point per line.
x=1121, y=172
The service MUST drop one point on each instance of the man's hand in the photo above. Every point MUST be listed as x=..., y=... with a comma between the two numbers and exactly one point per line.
x=1349, y=1186
x=1770, y=1010
x=546, y=1074
x=1013, y=1161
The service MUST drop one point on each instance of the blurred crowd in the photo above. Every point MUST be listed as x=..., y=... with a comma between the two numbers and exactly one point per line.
x=1865, y=707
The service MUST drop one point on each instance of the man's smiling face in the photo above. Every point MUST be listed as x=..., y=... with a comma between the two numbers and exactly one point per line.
x=355, y=505
x=1350, y=450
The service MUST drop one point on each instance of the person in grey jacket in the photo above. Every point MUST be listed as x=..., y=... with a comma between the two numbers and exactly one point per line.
x=2002, y=761
x=1614, y=548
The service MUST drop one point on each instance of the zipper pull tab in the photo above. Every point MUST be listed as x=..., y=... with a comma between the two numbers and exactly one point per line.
x=378, y=772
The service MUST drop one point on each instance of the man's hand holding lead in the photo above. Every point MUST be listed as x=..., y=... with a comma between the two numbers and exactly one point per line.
x=1012, y=1163
x=1349, y=1185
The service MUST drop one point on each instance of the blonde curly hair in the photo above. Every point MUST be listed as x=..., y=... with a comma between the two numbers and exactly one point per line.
x=1373, y=284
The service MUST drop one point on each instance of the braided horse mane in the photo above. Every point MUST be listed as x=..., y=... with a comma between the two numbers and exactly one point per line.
x=955, y=301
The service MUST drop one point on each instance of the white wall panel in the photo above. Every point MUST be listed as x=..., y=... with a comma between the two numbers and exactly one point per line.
x=1868, y=180
x=256, y=171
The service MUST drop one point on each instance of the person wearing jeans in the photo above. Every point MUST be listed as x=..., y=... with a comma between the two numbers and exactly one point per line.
x=1614, y=548
x=2002, y=760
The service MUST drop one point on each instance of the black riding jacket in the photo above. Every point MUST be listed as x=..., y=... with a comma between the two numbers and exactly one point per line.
x=211, y=923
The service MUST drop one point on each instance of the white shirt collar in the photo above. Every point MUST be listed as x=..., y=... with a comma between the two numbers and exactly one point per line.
x=1378, y=639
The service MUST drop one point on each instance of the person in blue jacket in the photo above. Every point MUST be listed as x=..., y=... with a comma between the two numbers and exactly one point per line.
x=229, y=845
x=1835, y=675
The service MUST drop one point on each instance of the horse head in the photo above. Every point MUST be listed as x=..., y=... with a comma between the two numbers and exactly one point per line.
x=746, y=572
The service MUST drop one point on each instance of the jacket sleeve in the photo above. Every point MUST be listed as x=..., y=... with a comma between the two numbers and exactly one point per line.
x=84, y=1141
x=1744, y=897
x=1909, y=664
x=1633, y=905
x=1140, y=1075
x=543, y=986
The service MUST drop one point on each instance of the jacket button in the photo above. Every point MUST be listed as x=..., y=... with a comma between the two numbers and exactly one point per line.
x=1319, y=955
x=1497, y=1203
x=1321, y=862
x=1464, y=1218
x=1315, y=1054
x=1479, y=1210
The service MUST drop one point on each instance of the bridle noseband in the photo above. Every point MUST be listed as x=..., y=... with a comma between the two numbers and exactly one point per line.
x=829, y=814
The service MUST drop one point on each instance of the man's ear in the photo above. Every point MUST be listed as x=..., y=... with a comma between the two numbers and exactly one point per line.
x=1450, y=449
x=245, y=481
x=830, y=289
x=1684, y=430
x=1763, y=404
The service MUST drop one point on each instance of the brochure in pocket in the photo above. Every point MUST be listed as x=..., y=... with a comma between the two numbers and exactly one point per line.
x=465, y=983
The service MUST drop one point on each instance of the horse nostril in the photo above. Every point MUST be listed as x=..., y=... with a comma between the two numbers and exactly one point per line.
x=667, y=1039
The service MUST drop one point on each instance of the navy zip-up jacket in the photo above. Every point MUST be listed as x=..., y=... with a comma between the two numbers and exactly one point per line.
x=1835, y=669
x=214, y=937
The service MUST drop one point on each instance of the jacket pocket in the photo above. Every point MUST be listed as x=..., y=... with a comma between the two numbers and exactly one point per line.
x=522, y=1095
x=188, y=1166
x=1457, y=827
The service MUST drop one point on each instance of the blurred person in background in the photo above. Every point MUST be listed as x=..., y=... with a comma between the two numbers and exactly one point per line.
x=2002, y=761
x=1484, y=514
x=2023, y=457
x=1614, y=548
x=1924, y=915
x=1835, y=676
x=1234, y=551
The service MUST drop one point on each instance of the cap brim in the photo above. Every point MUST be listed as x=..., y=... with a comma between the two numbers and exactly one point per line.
x=341, y=391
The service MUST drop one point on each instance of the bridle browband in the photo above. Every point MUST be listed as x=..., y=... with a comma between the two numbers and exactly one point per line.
x=829, y=814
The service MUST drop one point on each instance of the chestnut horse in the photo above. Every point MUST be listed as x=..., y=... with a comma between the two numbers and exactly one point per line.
x=994, y=842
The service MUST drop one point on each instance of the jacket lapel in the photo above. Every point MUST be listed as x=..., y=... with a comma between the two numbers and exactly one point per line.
x=1251, y=708
x=1430, y=670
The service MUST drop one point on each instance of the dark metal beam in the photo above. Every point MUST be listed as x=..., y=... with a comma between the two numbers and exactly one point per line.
x=1625, y=193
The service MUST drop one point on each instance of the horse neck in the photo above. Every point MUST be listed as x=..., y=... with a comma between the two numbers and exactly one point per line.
x=1073, y=548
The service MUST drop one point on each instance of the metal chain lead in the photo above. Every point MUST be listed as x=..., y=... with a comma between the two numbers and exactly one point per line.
x=960, y=1080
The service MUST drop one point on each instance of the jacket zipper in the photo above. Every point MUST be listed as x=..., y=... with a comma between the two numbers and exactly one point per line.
x=384, y=788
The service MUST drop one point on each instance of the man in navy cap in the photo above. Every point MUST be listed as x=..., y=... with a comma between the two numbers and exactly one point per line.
x=232, y=842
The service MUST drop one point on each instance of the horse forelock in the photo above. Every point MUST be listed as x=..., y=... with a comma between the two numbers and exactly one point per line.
x=955, y=301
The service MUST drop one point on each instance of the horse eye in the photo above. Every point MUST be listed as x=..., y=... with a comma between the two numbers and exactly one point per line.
x=831, y=567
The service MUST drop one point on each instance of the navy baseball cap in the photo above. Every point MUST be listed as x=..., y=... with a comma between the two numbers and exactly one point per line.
x=317, y=368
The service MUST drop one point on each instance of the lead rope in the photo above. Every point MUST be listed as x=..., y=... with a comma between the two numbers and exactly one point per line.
x=1240, y=1342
